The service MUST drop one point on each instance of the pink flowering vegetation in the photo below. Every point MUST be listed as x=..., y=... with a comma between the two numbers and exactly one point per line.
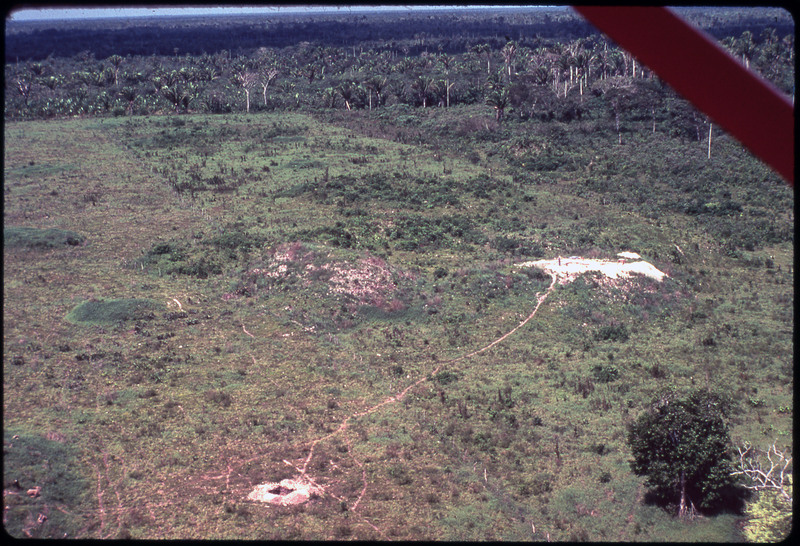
x=360, y=280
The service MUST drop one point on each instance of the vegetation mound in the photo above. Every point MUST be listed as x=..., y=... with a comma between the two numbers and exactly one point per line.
x=38, y=238
x=345, y=283
x=110, y=311
x=38, y=473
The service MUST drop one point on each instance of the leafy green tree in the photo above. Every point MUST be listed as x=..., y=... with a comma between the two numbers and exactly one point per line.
x=682, y=445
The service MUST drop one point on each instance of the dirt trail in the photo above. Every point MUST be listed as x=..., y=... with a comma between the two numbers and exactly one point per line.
x=561, y=271
x=304, y=481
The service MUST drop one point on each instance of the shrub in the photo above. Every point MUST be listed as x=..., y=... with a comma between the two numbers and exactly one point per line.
x=220, y=397
x=445, y=377
x=605, y=374
x=612, y=332
x=111, y=311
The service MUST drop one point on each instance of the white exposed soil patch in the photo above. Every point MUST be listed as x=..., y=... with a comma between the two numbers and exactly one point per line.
x=566, y=270
x=286, y=492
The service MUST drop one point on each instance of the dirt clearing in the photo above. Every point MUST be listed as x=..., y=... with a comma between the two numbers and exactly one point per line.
x=566, y=270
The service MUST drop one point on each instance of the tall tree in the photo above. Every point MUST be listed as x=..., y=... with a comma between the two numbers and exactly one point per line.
x=266, y=76
x=375, y=86
x=446, y=62
x=247, y=80
x=682, y=445
x=497, y=95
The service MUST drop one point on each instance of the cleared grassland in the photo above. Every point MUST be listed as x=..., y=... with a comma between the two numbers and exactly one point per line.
x=303, y=275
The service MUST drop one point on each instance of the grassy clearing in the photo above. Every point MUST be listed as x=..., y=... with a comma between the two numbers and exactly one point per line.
x=302, y=273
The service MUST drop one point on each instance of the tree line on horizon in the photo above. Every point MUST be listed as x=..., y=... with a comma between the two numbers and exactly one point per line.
x=549, y=80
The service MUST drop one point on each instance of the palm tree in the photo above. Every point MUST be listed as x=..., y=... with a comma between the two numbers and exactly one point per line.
x=484, y=49
x=583, y=64
x=329, y=95
x=375, y=85
x=130, y=95
x=179, y=93
x=509, y=52
x=498, y=99
x=347, y=92
x=446, y=61
x=745, y=47
x=115, y=61
x=421, y=88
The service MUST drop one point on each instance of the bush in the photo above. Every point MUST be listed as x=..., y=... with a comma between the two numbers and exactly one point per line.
x=612, y=332
x=35, y=238
x=111, y=311
x=605, y=374
x=220, y=397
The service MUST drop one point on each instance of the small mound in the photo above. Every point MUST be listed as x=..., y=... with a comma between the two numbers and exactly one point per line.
x=365, y=280
x=40, y=239
x=285, y=493
x=112, y=311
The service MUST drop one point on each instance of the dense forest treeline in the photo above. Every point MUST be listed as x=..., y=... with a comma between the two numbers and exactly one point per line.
x=448, y=31
x=502, y=61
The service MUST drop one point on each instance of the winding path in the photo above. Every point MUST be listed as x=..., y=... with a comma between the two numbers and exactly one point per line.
x=540, y=298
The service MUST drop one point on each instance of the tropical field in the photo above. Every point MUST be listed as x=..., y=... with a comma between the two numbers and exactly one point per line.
x=334, y=298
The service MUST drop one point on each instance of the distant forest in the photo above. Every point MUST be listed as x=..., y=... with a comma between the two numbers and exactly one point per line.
x=542, y=63
x=447, y=31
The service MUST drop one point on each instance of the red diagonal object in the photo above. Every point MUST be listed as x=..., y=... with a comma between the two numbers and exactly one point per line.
x=749, y=107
